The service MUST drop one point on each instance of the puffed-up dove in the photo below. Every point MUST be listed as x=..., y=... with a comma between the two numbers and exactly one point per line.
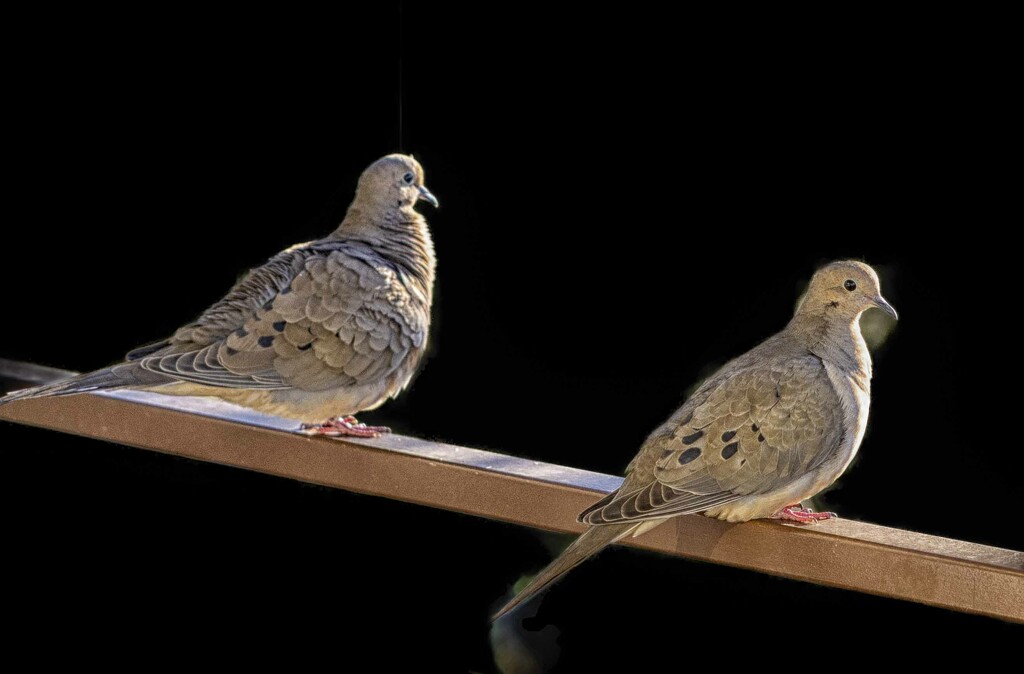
x=769, y=429
x=322, y=330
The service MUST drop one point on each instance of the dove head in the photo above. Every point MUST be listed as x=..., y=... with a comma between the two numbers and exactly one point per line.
x=844, y=289
x=394, y=181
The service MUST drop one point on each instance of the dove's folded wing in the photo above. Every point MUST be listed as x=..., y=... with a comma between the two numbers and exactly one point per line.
x=757, y=430
x=316, y=317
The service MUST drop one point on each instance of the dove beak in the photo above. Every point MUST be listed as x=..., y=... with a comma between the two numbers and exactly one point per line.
x=427, y=196
x=886, y=307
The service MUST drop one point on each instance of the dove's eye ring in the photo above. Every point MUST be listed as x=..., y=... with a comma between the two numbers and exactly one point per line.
x=408, y=177
x=850, y=285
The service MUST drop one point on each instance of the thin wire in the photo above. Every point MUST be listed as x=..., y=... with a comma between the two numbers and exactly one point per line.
x=401, y=45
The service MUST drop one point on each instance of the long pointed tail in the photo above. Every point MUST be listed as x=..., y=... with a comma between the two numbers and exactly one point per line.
x=590, y=542
x=92, y=381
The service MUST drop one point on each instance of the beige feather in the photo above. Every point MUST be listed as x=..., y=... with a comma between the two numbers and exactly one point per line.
x=768, y=430
x=332, y=326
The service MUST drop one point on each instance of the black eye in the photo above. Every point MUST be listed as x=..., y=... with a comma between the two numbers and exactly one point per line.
x=850, y=285
x=408, y=177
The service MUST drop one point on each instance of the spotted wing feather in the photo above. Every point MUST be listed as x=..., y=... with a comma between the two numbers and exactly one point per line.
x=314, y=318
x=750, y=433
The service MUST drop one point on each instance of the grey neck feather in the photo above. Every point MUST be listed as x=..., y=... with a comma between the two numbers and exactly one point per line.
x=399, y=235
x=836, y=339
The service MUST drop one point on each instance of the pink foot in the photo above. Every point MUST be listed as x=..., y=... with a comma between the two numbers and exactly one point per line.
x=797, y=513
x=344, y=426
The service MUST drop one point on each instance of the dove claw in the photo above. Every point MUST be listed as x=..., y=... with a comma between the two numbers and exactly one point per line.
x=797, y=513
x=344, y=427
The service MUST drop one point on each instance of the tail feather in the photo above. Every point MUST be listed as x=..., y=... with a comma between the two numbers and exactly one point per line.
x=112, y=377
x=589, y=543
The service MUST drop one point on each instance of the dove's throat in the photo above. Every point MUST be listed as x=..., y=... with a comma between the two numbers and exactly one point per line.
x=837, y=340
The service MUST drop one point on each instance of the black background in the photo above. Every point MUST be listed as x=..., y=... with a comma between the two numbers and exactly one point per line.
x=627, y=201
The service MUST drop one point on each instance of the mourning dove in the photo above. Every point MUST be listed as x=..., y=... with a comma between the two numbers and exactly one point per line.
x=323, y=330
x=768, y=430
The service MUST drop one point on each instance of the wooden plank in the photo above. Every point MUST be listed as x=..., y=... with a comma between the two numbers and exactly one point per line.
x=841, y=553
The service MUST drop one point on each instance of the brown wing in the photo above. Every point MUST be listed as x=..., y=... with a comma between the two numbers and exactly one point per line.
x=757, y=430
x=326, y=319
